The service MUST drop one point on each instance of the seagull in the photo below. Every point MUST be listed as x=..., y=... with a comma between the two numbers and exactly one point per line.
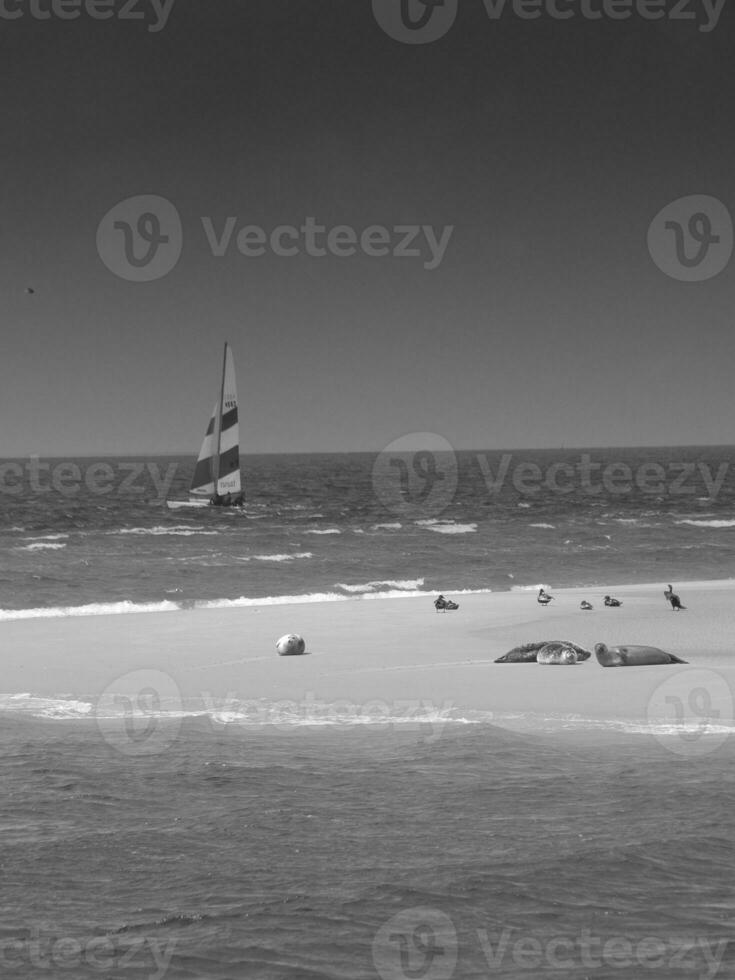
x=30, y=290
x=673, y=599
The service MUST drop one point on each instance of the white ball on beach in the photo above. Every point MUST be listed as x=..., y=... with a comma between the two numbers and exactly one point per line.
x=291, y=645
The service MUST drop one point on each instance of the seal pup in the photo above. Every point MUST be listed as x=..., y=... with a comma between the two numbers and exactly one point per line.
x=633, y=656
x=528, y=653
x=557, y=654
x=674, y=599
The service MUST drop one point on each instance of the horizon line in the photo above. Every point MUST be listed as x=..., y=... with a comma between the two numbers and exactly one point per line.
x=355, y=452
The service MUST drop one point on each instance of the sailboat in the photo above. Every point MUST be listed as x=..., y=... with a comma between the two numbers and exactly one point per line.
x=216, y=481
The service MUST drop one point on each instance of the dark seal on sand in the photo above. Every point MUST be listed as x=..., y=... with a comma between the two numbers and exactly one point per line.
x=633, y=656
x=528, y=653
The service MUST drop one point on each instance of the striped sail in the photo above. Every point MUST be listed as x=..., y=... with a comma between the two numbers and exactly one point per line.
x=218, y=463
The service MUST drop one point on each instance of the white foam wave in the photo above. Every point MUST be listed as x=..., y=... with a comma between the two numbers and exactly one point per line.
x=551, y=527
x=330, y=530
x=402, y=585
x=447, y=527
x=271, y=600
x=41, y=546
x=714, y=523
x=279, y=557
x=61, y=708
x=92, y=609
x=182, y=530
x=387, y=527
x=47, y=537
x=530, y=588
x=396, y=590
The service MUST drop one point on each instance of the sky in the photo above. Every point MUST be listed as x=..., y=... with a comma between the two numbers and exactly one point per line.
x=527, y=158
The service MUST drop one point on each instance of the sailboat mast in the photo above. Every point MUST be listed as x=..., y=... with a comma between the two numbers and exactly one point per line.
x=218, y=424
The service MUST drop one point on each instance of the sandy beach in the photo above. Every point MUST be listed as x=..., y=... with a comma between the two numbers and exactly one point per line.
x=393, y=658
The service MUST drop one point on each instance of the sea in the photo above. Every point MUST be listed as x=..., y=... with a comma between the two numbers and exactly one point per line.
x=79, y=537
x=309, y=851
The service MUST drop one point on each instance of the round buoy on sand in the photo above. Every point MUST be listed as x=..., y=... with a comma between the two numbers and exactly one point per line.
x=291, y=645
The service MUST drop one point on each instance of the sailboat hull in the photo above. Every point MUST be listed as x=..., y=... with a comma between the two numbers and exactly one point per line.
x=177, y=504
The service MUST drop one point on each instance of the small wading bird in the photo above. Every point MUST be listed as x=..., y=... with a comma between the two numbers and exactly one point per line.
x=543, y=598
x=441, y=604
x=585, y=605
x=674, y=599
x=609, y=601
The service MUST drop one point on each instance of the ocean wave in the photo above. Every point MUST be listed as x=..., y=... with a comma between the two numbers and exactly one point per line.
x=308, y=712
x=530, y=588
x=330, y=530
x=47, y=537
x=387, y=527
x=446, y=527
x=551, y=527
x=712, y=523
x=397, y=590
x=39, y=707
x=41, y=546
x=278, y=557
x=91, y=609
x=271, y=600
x=400, y=585
x=181, y=530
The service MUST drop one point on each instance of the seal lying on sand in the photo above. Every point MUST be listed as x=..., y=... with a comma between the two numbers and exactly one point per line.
x=528, y=653
x=557, y=654
x=633, y=656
